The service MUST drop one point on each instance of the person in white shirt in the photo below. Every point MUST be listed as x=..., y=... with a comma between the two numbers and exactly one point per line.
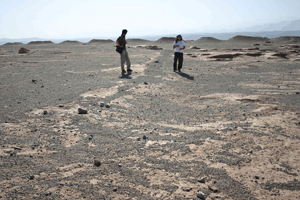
x=179, y=46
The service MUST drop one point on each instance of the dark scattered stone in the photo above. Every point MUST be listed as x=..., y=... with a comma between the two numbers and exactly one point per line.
x=34, y=81
x=42, y=86
x=200, y=195
x=45, y=112
x=156, y=61
x=31, y=177
x=187, y=189
x=82, y=111
x=250, y=151
x=213, y=188
x=31, y=156
x=102, y=104
x=97, y=163
x=297, y=92
x=144, y=137
x=119, y=165
x=107, y=106
x=145, y=83
x=115, y=189
x=24, y=50
x=256, y=177
x=91, y=137
x=60, y=105
x=138, y=139
x=201, y=180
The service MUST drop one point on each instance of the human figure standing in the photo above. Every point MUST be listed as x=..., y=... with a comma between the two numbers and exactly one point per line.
x=121, y=41
x=179, y=46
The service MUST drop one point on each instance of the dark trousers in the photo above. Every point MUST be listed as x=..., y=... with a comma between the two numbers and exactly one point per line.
x=178, y=56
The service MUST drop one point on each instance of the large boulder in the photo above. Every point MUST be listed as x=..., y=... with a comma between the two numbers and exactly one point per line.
x=23, y=50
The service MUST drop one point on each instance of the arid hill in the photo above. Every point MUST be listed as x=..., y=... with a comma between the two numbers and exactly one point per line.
x=96, y=41
x=288, y=39
x=41, y=42
x=70, y=42
x=241, y=38
x=166, y=39
x=208, y=39
x=13, y=43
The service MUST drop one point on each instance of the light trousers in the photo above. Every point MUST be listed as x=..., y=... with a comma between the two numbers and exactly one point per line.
x=125, y=58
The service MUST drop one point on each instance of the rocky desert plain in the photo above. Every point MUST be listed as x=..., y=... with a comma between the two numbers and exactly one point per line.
x=226, y=127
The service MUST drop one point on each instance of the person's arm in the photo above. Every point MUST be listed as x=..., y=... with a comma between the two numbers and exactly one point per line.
x=118, y=43
x=183, y=48
x=175, y=46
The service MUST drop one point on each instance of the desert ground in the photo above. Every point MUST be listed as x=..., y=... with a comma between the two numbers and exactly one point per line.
x=228, y=125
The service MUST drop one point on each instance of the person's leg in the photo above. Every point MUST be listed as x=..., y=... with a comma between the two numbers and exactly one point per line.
x=180, y=58
x=122, y=60
x=175, y=62
x=127, y=61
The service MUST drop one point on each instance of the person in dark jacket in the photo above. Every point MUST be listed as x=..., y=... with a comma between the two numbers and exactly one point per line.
x=179, y=46
x=121, y=42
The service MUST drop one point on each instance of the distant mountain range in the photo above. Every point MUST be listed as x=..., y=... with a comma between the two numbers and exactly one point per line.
x=270, y=30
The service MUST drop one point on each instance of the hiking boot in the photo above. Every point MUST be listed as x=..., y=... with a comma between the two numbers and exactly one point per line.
x=123, y=71
x=129, y=70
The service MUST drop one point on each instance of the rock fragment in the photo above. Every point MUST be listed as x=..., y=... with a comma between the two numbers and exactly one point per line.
x=24, y=50
x=97, y=163
x=82, y=111
x=201, y=180
x=31, y=177
x=200, y=195
x=213, y=188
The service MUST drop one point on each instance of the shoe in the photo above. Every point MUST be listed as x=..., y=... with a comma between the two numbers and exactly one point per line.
x=174, y=70
x=123, y=71
x=129, y=70
x=179, y=70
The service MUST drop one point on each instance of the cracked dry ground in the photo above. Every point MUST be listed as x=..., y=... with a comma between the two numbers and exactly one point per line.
x=234, y=122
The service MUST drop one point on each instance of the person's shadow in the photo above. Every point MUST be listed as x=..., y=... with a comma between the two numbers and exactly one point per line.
x=185, y=75
x=124, y=75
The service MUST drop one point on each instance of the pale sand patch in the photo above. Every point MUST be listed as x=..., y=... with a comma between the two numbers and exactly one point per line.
x=101, y=93
x=159, y=142
x=83, y=72
x=122, y=101
x=111, y=69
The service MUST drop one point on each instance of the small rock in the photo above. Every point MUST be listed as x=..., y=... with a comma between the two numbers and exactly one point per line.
x=42, y=86
x=23, y=50
x=144, y=137
x=45, y=112
x=82, y=111
x=101, y=104
x=31, y=156
x=200, y=195
x=34, y=81
x=107, y=106
x=156, y=61
x=145, y=83
x=187, y=189
x=119, y=165
x=97, y=163
x=250, y=151
x=138, y=139
x=201, y=180
x=256, y=177
x=115, y=189
x=213, y=188
x=60, y=105
x=297, y=92
x=91, y=137
x=31, y=177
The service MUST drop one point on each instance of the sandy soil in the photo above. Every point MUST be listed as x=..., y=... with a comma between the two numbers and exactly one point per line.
x=228, y=125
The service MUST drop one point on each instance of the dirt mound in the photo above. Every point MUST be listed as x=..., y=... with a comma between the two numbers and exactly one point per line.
x=41, y=42
x=208, y=39
x=137, y=40
x=13, y=43
x=240, y=38
x=289, y=39
x=166, y=39
x=96, y=41
x=70, y=42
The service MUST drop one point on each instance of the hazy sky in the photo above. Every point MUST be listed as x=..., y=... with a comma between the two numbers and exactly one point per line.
x=98, y=18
